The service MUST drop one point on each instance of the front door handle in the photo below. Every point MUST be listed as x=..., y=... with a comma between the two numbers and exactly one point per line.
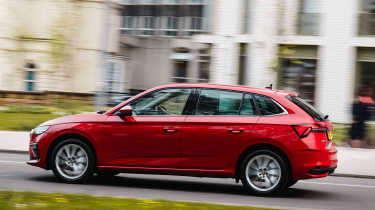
x=235, y=130
x=170, y=130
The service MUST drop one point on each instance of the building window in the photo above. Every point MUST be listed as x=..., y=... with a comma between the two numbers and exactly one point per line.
x=30, y=77
x=195, y=25
x=169, y=18
x=127, y=25
x=148, y=25
x=204, y=65
x=180, y=71
x=309, y=18
x=297, y=70
x=298, y=75
x=365, y=74
x=114, y=77
x=171, y=26
x=242, y=64
x=367, y=17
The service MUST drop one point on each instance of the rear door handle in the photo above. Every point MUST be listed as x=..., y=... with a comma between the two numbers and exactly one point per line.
x=235, y=130
x=170, y=130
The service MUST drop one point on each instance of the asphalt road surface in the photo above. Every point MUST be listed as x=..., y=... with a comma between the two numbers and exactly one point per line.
x=327, y=193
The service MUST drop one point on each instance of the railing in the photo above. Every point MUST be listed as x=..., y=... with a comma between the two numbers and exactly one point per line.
x=309, y=24
x=366, y=24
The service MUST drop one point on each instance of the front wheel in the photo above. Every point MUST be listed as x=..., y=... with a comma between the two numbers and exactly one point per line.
x=72, y=161
x=264, y=172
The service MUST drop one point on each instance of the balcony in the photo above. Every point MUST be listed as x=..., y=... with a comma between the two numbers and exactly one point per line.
x=309, y=24
x=366, y=24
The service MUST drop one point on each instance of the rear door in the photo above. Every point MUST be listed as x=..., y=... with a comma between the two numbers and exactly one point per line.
x=220, y=123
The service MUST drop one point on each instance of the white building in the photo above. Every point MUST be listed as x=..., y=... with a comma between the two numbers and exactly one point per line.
x=55, y=45
x=323, y=49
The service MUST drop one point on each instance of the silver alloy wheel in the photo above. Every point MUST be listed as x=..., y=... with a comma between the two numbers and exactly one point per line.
x=71, y=161
x=263, y=172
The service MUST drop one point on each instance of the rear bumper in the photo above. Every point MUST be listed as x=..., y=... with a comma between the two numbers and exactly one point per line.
x=320, y=171
x=315, y=163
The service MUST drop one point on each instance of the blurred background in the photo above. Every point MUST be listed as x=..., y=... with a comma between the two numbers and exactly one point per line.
x=60, y=57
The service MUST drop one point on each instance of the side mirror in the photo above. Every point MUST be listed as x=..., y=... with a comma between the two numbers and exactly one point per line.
x=126, y=111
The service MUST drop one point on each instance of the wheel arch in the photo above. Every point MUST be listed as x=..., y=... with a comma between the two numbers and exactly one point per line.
x=260, y=146
x=64, y=136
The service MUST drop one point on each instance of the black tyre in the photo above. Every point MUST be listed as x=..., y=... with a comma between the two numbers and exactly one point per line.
x=72, y=161
x=264, y=172
x=292, y=182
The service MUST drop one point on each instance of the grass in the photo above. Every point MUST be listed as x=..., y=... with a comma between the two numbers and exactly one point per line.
x=31, y=200
x=21, y=117
x=23, y=121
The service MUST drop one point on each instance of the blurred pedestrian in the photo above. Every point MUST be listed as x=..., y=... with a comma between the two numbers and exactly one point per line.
x=361, y=110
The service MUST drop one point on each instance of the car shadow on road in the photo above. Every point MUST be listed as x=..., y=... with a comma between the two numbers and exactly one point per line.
x=185, y=185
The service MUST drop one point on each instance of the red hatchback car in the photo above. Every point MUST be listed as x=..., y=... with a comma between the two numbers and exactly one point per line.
x=268, y=139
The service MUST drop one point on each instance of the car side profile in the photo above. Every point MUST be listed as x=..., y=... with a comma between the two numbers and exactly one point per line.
x=267, y=139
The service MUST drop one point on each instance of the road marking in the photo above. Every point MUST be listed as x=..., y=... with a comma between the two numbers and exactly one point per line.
x=9, y=161
x=336, y=184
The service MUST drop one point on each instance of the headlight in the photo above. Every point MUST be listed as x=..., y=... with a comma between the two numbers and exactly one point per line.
x=40, y=129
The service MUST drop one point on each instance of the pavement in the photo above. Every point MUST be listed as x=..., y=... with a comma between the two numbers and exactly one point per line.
x=353, y=162
x=327, y=193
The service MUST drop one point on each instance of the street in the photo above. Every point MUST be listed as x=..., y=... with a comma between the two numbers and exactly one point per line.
x=327, y=193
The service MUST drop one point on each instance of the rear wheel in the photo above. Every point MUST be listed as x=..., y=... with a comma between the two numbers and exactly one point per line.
x=264, y=172
x=72, y=161
x=291, y=183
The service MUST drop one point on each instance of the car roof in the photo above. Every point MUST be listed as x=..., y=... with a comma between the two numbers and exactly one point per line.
x=263, y=91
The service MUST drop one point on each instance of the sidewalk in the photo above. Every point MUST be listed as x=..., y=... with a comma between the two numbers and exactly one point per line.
x=352, y=162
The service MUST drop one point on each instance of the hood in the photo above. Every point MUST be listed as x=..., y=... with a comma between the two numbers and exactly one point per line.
x=78, y=118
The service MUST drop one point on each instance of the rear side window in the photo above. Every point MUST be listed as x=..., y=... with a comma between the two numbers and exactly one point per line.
x=267, y=106
x=218, y=102
x=248, y=107
x=308, y=108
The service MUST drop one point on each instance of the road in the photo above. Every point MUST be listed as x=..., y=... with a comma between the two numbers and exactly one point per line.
x=327, y=193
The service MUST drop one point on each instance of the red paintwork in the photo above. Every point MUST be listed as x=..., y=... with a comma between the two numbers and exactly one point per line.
x=201, y=145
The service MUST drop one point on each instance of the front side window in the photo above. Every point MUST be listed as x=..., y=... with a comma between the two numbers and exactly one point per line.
x=218, y=102
x=162, y=102
x=267, y=106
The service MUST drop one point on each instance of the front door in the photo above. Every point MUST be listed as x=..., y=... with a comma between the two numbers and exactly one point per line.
x=151, y=137
x=222, y=123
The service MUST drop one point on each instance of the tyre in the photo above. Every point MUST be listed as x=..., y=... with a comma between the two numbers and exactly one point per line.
x=264, y=172
x=291, y=183
x=72, y=161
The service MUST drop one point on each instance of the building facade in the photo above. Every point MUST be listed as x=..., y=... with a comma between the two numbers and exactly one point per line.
x=56, y=45
x=325, y=50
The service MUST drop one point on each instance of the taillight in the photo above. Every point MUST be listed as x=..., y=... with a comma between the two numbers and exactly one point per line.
x=302, y=131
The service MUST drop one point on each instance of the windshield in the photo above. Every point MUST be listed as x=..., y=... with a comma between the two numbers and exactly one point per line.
x=312, y=111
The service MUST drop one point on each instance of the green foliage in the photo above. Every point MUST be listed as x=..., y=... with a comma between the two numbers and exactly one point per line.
x=39, y=201
x=340, y=133
x=23, y=121
x=25, y=117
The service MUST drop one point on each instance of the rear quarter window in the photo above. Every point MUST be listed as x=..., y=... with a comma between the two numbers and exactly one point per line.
x=267, y=106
